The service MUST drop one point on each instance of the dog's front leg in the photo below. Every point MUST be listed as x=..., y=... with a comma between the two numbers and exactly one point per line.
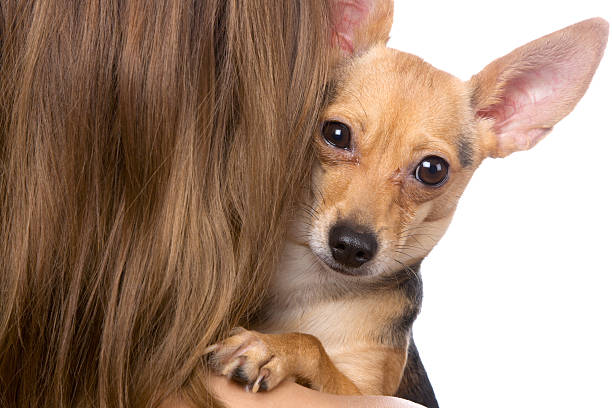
x=262, y=361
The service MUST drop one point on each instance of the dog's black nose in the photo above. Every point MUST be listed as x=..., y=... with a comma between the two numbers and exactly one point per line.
x=351, y=248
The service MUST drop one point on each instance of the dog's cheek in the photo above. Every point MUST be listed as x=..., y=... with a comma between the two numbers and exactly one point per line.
x=444, y=205
x=398, y=243
x=425, y=229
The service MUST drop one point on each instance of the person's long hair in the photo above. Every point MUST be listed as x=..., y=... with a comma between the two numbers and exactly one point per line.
x=150, y=152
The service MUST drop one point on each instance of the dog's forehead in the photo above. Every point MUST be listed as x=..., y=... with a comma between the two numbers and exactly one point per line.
x=394, y=95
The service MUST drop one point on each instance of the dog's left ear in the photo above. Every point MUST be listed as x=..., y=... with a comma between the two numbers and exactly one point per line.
x=529, y=90
x=357, y=25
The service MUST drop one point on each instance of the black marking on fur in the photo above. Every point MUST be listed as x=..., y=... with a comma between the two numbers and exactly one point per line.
x=415, y=385
x=465, y=150
x=411, y=287
x=240, y=376
x=413, y=290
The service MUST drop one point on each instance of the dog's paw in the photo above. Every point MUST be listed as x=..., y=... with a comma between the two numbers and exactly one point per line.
x=248, y=357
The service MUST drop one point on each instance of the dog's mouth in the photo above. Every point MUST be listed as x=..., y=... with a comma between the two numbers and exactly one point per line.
x=335, y=267
x=345, y=271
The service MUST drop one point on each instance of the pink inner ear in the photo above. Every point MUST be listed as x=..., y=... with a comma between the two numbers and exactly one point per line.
x=532, y=102
x=346, y=16
x=528, y=91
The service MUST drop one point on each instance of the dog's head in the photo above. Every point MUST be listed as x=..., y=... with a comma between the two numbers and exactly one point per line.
x=400, y=139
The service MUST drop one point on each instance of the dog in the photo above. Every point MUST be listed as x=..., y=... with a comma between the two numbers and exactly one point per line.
x=398, y=143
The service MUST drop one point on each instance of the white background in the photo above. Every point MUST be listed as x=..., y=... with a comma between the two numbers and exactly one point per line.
x=518, y=294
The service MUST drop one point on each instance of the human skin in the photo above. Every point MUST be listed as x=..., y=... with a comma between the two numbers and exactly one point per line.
x=291, y=394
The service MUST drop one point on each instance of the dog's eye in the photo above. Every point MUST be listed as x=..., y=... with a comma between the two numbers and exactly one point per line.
x=337, y=134
x=432, y=171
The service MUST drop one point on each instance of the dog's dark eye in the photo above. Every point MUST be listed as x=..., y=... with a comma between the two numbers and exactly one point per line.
x=432, y=171
x=337, y=134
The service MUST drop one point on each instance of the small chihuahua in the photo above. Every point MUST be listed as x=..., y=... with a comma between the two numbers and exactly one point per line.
x=398, y=144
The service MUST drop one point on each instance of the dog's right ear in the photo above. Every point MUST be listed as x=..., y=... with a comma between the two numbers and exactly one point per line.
x=357, y=25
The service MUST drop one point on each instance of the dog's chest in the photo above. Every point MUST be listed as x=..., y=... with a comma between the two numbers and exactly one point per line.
x=364, y=335
x=355, y=334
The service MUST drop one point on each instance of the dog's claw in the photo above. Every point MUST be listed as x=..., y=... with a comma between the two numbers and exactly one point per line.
x=257, y=383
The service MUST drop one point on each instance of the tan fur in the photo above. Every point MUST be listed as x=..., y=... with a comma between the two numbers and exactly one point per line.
x=400, y=109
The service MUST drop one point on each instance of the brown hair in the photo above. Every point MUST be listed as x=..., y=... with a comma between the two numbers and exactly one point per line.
x=149, y=154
